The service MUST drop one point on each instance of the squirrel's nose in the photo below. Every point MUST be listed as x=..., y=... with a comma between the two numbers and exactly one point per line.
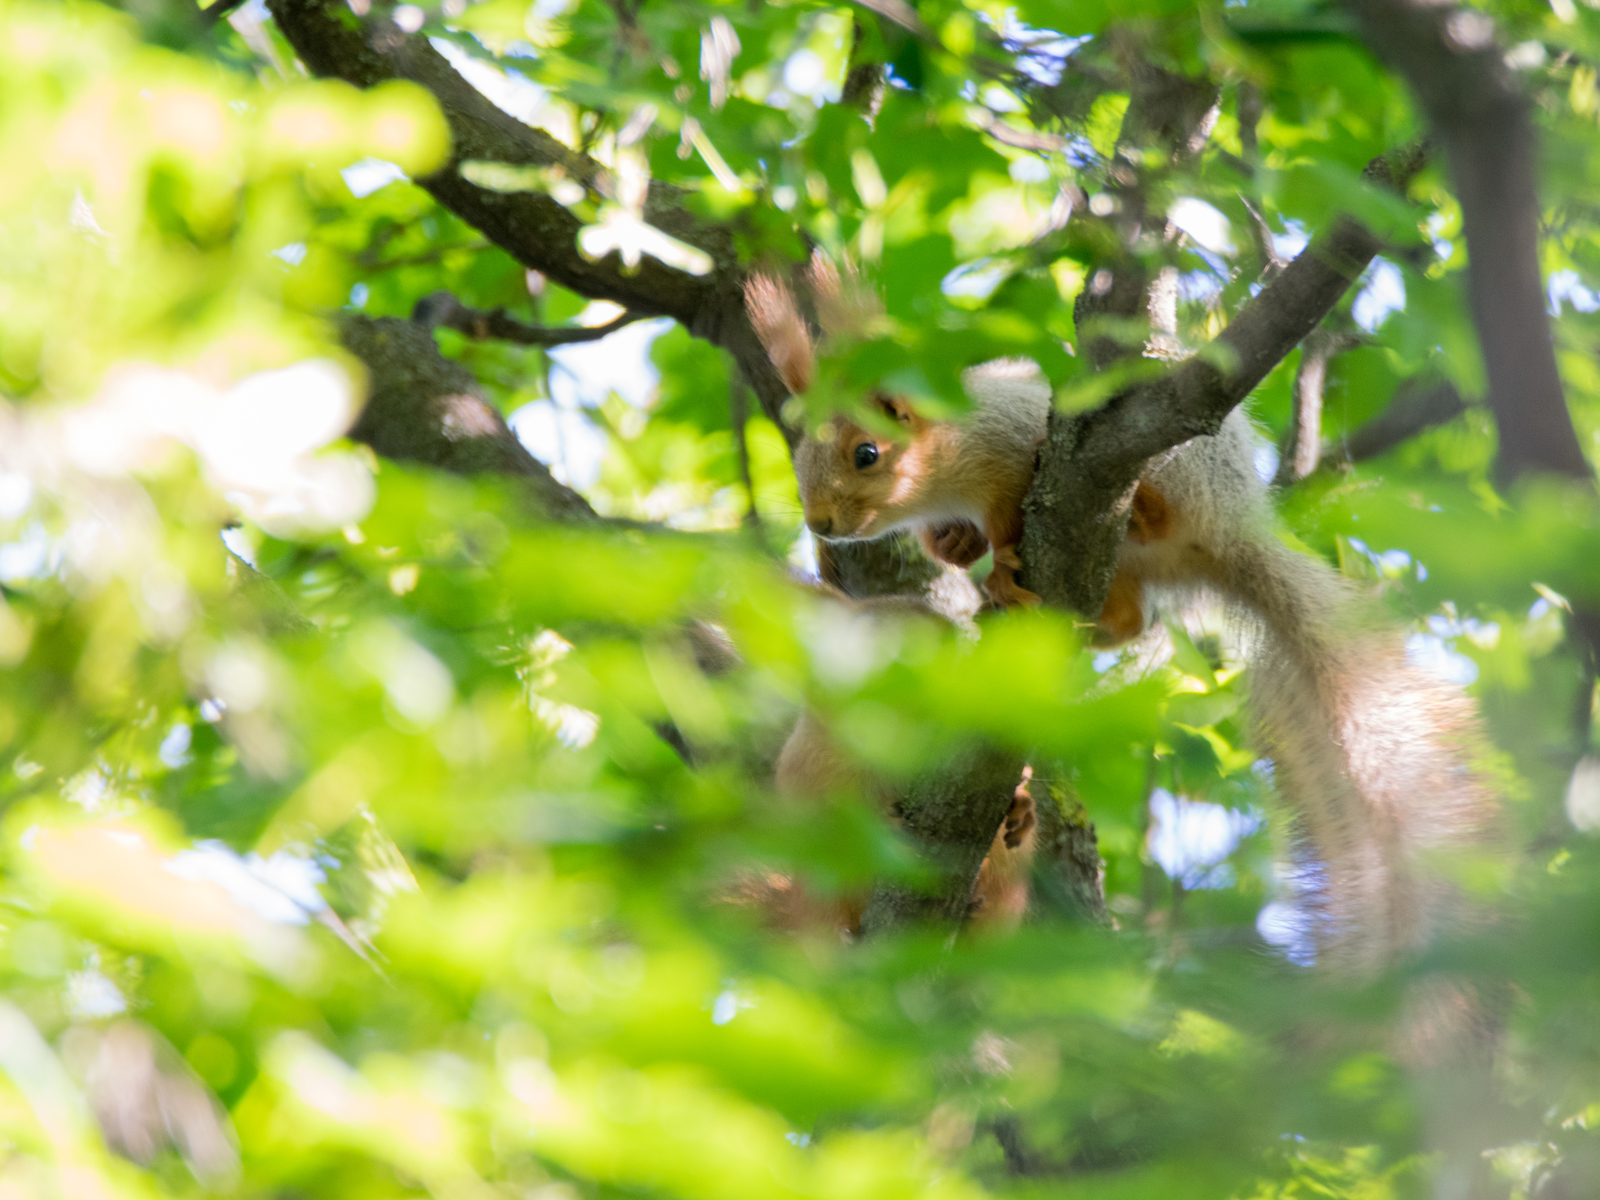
x=821, y=526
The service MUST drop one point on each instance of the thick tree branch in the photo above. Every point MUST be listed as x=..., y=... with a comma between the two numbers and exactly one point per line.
x=531, y=226
x=1451, y=58
x=953, y=815
x=441, y=308
x=1078, y=508
x=1068, y=872
x=422, y=407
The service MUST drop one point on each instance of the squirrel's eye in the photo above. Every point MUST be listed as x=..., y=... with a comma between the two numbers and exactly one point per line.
x=866, y=455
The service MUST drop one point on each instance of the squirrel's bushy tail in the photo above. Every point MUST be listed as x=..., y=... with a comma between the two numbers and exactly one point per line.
x=1375, y=756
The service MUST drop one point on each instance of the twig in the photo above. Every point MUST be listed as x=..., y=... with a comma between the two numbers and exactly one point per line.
x=864, y=79
x=1249, y=110
x=903, y=15
x=210, y=16
x=441, y=308
x=1302, y=441
x=369, y=259
x=1414, y=408
x=1023, y=139
x=739, y=417
x=1266, y=249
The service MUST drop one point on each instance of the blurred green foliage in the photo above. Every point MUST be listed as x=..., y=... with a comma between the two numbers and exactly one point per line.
x=342, y=852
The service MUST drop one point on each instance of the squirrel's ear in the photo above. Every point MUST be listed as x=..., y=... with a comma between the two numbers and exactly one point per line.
x=782, y=331
x=844, y=306
x=895, y=408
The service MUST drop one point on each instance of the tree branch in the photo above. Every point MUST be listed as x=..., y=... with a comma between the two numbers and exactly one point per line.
x=531, y=226
x=1067, y=869
x=1451, y=58
x=1078, y=508
x=902, y=14
x=739, y=418
x=1302, y=441
x=211, y=15
x=441, y=308
x=952, y=814
x=422, y=407
x=1413, y=409
x=1268, y=261
x=864, y=80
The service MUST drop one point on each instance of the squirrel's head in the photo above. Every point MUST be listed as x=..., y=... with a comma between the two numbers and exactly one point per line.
x=860, y=482
x=853, y=479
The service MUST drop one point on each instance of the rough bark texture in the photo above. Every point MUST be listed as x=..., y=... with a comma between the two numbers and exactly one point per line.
x=1068, y=870
x=952, y=815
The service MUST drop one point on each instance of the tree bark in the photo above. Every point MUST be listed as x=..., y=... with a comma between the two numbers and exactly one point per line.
x=952, y=815
x=422, y=407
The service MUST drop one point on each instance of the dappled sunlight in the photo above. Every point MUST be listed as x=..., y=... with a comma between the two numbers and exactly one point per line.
x=257, y=441
x=381, y=821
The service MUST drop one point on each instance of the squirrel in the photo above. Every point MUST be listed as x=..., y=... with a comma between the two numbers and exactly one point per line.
x=1373, y=755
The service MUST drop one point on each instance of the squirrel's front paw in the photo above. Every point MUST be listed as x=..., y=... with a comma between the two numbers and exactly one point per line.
x=960, y=543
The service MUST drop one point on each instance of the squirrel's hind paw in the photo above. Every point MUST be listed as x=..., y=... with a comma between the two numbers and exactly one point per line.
x=1002, y=584
x=1020, y=817
x=1123, y=617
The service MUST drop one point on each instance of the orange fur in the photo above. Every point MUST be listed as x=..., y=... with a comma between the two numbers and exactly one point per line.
x=844, y=307
x=1122, y=618
x=928, y=476
x=783, y=333
x=1151, y=520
